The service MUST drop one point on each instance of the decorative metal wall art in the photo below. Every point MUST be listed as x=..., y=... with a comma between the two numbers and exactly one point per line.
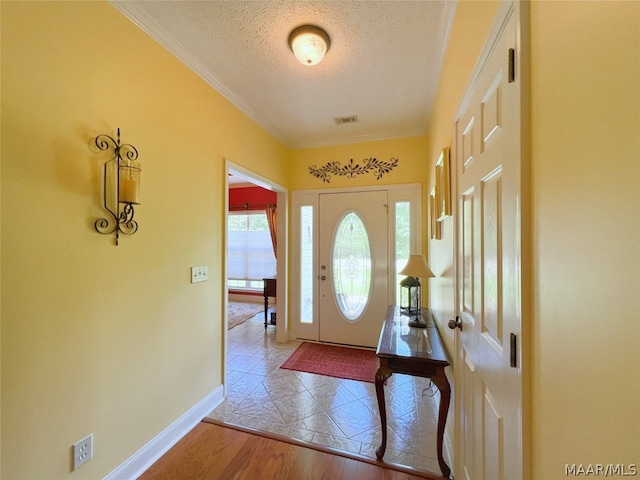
x=352, y=170
x=121, y=187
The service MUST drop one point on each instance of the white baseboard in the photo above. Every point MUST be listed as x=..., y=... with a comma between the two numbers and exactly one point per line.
x=447, y=449
x=447, y=440
x=139, y=462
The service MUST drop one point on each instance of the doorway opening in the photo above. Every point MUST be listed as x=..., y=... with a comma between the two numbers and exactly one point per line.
x=274, y=238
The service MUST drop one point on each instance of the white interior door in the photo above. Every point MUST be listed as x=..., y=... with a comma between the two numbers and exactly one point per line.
x=353, y=291
x=489, y=261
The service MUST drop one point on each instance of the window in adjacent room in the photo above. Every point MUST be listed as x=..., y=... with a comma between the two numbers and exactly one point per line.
x=250, y=250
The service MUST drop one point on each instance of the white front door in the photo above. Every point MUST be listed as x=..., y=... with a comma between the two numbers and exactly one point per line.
x=488, y=373
x=353, y=270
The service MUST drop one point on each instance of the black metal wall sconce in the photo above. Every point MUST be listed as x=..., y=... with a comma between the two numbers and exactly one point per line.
x=121, y=184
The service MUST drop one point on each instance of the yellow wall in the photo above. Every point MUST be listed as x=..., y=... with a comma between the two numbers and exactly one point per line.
x=409, y=152
x=100, y=339
x=585, y=157
x=471, y=24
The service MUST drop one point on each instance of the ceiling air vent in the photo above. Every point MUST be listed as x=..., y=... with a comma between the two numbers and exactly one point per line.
x=351, y=119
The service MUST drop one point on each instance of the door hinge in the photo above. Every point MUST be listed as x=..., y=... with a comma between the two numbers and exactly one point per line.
x=512, y=65
x=513, y=355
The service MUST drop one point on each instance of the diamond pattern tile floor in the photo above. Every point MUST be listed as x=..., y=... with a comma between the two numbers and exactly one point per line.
x=341, y=414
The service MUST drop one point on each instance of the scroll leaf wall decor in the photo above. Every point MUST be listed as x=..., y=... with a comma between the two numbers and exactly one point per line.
x=352, y=170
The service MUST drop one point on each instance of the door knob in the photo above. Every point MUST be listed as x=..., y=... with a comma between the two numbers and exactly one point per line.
x=457, y=323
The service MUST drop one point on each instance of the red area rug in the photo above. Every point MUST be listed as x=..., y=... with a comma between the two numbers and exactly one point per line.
x=334, y=361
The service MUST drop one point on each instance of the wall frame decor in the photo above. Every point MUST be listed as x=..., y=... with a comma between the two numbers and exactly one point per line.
x=443, y=185
x=435, y=230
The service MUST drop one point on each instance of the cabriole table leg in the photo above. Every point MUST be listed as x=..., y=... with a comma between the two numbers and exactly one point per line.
x=382, y=375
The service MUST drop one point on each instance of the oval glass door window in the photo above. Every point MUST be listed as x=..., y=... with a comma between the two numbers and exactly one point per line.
x=351, y=266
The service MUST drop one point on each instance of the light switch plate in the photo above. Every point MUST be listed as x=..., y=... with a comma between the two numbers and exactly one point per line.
x=199, y=274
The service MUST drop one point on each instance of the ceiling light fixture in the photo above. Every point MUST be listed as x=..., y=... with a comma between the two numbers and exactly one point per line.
x=309, y=44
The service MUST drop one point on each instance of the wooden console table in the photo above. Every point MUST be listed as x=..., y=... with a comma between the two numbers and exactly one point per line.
x=412, y=351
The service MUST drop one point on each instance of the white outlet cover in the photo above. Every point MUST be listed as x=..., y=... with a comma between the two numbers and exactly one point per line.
x=82, y=451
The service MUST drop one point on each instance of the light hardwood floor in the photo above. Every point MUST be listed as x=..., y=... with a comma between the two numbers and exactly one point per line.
x=212, y=451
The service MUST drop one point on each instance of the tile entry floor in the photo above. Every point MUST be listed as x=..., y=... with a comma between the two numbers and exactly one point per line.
x=342, y=414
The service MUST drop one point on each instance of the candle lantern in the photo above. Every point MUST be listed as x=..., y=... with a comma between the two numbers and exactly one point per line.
x=409, y=296
x=415, y=268
x=121, y=187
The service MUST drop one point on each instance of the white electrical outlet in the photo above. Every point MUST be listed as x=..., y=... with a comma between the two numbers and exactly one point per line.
x=199, y=274
x=83, y=451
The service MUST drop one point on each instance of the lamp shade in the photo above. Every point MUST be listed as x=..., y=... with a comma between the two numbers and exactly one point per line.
x=417, y=267
x=309, y=44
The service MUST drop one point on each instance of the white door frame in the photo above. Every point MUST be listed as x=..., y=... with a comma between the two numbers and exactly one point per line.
x=396, y=193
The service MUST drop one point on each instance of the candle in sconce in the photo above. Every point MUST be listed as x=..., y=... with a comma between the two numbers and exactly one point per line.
x=129, y=190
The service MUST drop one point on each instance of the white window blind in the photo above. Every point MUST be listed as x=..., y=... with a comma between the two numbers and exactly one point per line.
x=250, y=251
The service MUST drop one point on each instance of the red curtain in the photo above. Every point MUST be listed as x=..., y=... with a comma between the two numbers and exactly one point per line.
x=271, y=219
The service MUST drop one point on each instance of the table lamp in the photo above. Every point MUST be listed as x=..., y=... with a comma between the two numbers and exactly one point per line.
x=415, y=268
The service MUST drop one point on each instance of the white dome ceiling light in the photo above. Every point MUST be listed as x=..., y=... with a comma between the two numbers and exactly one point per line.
x=309, y=44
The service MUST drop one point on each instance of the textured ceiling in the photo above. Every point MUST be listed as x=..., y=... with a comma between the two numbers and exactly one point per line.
x=383, y=64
